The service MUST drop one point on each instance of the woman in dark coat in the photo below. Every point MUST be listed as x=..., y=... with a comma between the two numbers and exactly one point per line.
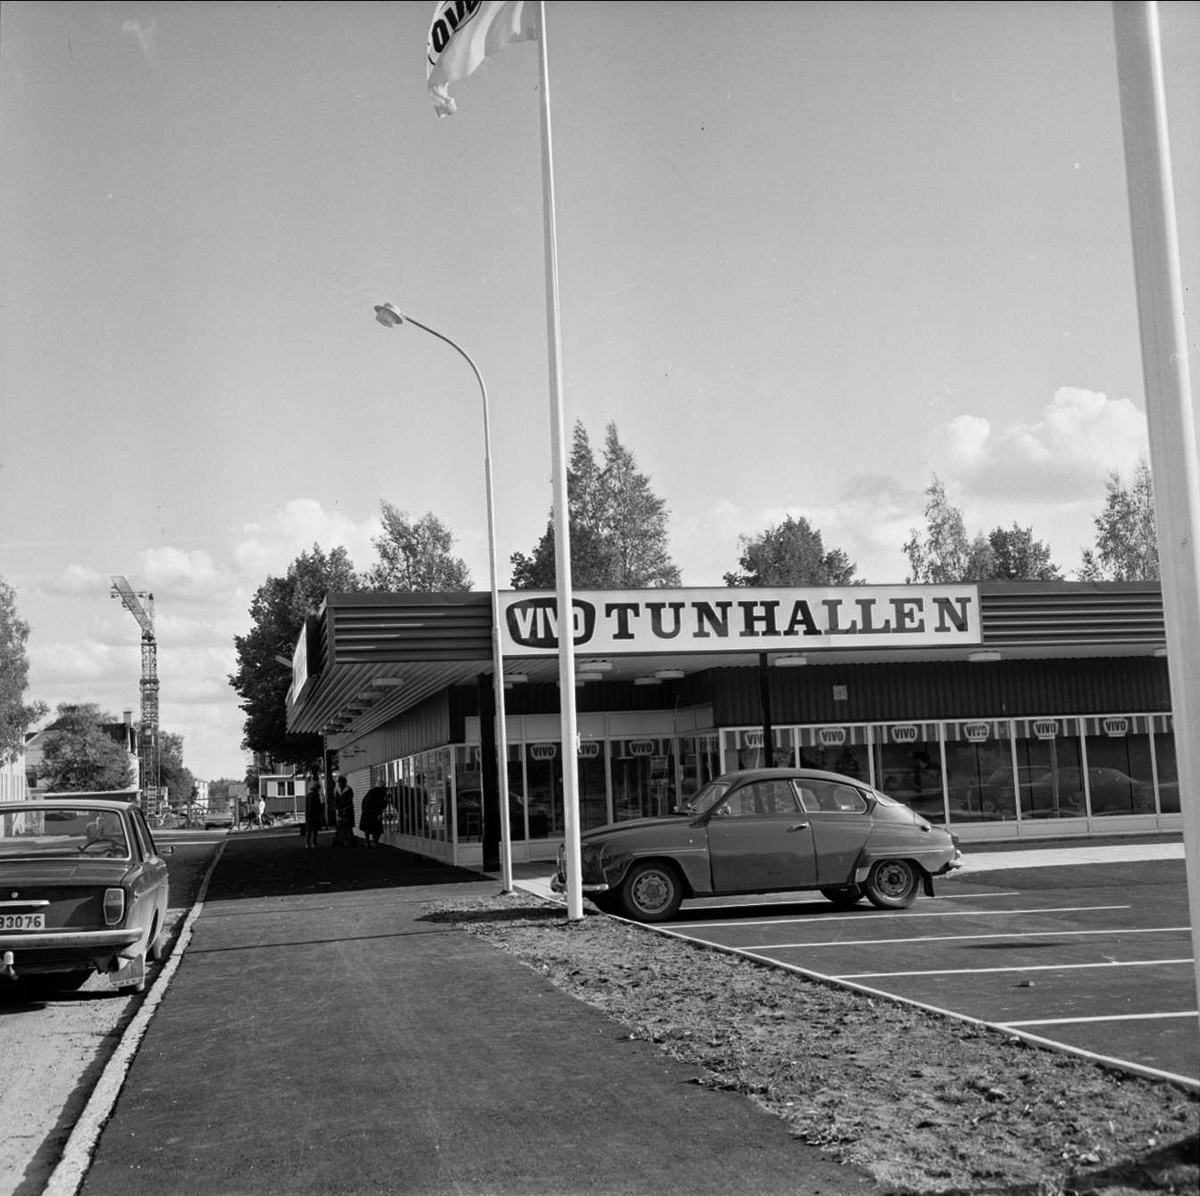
x=314, y=812
x=370, y=821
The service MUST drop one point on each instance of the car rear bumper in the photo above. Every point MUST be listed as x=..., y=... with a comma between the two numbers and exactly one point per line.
x=69, y=940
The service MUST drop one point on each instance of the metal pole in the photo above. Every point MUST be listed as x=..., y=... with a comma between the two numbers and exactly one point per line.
x=1173, y=463
x=497, y=654
x=562, y=521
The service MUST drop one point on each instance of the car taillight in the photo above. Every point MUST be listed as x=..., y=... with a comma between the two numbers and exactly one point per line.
x=114, y=906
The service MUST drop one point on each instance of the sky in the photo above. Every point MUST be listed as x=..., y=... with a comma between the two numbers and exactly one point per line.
x=809, y=257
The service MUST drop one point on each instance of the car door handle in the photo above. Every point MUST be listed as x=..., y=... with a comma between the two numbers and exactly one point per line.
x=798, y=826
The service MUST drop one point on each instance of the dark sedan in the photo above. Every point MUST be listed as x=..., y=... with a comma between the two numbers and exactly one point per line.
x=83, y=889
x=760, y=831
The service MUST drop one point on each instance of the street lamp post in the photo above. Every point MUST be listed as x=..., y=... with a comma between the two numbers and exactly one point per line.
x=391, y=317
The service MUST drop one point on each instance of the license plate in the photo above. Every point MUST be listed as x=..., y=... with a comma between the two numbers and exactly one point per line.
x=22, y=921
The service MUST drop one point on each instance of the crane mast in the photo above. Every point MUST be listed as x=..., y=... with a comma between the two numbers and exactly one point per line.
x=141, y=606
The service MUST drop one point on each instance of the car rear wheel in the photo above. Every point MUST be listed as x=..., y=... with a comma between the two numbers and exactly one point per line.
x=652, y=892
x=893, y=884
x=843, y=896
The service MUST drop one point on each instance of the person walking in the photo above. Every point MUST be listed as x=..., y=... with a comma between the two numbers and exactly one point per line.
x=343, y=806
x=262, y=809
x=371, y=819
x=314, y=812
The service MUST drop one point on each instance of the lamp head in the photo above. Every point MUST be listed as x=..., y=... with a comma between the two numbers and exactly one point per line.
x=389, y=315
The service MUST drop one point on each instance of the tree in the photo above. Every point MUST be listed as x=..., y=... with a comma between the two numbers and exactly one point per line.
x=79, y=753
x=1017, y=556
x=1126, y=534
x=279, y=609
x=172, y=773
x=791, y=554
x=415, y=557
x=618, y=526
x=15, y=716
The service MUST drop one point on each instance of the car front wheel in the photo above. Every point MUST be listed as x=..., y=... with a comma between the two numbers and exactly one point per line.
x=651, y=892
x=893, y=884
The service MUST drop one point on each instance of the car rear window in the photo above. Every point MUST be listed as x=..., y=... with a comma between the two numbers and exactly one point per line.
x=62, y=832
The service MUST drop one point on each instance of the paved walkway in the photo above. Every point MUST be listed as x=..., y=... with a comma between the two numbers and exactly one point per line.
x=327, y=1031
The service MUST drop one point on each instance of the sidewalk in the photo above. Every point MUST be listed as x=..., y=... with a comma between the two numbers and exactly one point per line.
x=326, y=1032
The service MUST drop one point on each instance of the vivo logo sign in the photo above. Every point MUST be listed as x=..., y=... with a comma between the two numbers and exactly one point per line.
x=533, y=623
x=752, y=739
x=641, y=747
x=905, y=734
x=1045, y=728
x=976, y=732
x=543, y=751
x=589, y=750
x=831, y=736
x=1116, y=727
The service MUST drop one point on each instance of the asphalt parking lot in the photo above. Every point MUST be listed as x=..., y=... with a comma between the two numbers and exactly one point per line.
x=1095, y=958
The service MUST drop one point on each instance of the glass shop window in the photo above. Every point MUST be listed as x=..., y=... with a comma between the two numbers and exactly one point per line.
x=1120, y=777
x=908, y=767
x=643, y=777
x=979, y=776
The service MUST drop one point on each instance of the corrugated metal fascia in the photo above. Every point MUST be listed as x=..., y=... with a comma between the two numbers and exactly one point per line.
x=1095, y=613
x=375, y=628
x=946, y=691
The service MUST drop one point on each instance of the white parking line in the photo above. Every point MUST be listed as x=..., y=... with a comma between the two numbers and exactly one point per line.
x=1116, y=1017
x=950, y=938
x=1041, y=967
x=908, y=914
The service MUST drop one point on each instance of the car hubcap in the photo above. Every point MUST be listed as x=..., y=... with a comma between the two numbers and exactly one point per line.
x=895, y=879
x=652, y=891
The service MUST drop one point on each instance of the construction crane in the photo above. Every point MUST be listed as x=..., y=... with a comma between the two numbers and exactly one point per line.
x=141, y=606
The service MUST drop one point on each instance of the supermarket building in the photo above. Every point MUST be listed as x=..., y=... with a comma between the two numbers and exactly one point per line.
x=1006, y=710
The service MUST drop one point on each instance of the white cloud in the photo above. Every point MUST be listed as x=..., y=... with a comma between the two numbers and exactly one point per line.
x=142, y=32
x=1065, y=455
x=267, y=548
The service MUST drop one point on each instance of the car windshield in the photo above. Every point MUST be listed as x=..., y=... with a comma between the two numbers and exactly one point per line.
x=32, y=831
x=708, y=797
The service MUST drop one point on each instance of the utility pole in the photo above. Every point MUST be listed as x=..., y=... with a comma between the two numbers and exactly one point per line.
x=141, y=606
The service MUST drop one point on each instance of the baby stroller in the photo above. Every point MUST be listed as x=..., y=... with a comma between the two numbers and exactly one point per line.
x=343, y=830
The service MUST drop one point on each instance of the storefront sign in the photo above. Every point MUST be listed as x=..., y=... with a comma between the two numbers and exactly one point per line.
x=831, y=736
x=589, y=749
x=906, y=733
x=543, y=751
x=976, y=732
x=641, y=747
x=1116, y=728
x=622, y=622
x=1045, y=728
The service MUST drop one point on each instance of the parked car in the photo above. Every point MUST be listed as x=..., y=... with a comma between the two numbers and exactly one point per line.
x=761, y=831
x=217, y=819
x=994, y=795
x=83, y=889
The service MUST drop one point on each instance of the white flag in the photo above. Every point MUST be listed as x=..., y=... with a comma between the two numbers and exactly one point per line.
x=464, y=33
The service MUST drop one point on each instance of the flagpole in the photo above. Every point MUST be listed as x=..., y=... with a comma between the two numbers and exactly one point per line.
x=1173, y=464
x=562, y=523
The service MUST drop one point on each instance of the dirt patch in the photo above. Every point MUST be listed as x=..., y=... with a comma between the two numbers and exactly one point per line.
x=926, y=1104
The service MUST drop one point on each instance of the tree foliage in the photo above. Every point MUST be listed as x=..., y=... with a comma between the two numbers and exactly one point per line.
x=791, y=554
x=278, y=611
x=1017, y=556
x=416, y=557
x=1126, y=547
x=945, y=553
x=80, y=755
x=16, y=716
x=173, y=774
x=618, y=525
